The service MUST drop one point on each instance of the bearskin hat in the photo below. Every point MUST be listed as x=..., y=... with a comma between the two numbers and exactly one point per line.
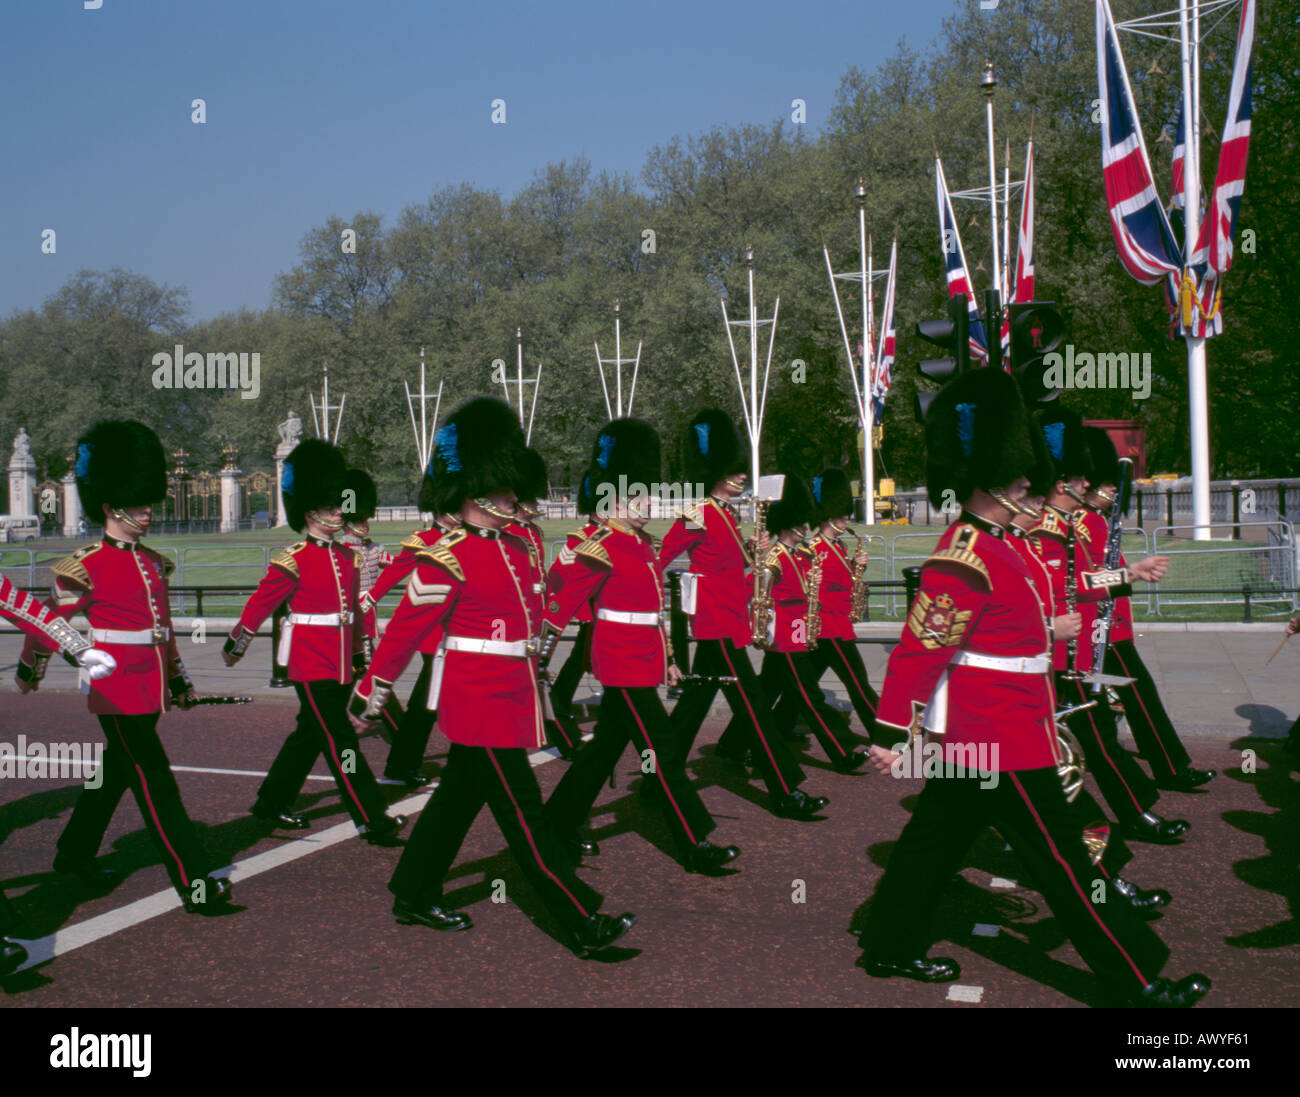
x=315, y=476
x=365, y=496
x=712, y=449
x=978, y=434
x=119, y=462
x=1104, y=466
x=478, y=452
x=534, y=484
x=626, y=451
x=1041, y=478
x=833, y=494
x=795, y=507
x=1062, y=430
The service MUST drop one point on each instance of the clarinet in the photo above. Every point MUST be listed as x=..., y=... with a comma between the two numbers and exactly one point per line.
x=1071, y=598
x=1114, y=542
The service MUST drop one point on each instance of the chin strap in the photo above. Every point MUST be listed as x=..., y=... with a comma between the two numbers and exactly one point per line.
x=1002, y=499
x=494, y=510
x=127, y=520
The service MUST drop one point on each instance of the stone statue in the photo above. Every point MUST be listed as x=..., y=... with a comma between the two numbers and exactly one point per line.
x=290, y=430
x=22, y=447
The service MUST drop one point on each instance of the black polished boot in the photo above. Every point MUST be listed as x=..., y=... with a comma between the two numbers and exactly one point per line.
x=708, y=860
x=1146, y=902
x=600, y=931
x=1150, y=827
x=924, y=969
x=282, y=820
x=1167, y=994
x=798, y=805
x=431, y=915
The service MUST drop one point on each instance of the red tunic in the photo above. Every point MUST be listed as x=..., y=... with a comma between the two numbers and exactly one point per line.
x=1098, y=530
x=976, y=595
x=710, y=534
x=398, y=571
x=319, y=578
x=1048, y=540
x=789, y=597
x=35, y=618
x=475, y=584
x=615, y=569
x=121, y=585
x=836, y=589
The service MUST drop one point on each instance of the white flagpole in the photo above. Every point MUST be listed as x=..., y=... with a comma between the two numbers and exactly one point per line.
x=636, y=366
x=1197, y=384
x=867, y=416
x=988, y=83
x=600, y=366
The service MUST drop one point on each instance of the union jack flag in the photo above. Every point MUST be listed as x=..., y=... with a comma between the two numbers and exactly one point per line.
x=1146, y=244
x=883, y=374
x=954, y=258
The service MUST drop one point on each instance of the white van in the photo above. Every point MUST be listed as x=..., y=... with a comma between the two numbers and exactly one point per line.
x=19, y=528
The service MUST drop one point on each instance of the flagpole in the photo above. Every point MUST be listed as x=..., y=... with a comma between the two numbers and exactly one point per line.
x=868, y=454
x=1197, y=384
x=987, y=83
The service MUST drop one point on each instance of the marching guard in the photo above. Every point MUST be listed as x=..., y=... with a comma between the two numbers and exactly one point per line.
x=1157, y=739
x=120, y=585
x=716, y=596
x=36, y=619
x=843, y=597
x=971, y=674
x=1126, y=788
x=790, y=671
x=322, y=644
x=411, y=736
x=371, y=559
x=476, y=585
x=615, y=569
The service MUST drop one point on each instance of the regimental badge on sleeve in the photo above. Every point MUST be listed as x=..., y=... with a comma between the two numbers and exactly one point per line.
x=937, y=622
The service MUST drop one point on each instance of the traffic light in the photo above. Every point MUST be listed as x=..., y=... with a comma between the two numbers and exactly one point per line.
x=1037, y=329
x=953, y=335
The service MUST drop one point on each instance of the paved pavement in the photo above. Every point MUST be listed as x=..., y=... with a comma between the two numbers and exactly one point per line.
x=315, y=927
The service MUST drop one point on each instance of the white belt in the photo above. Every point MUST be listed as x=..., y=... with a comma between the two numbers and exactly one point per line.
x=515, y=648
x=335, y=619
x=138, y=636
x=627, y=618
x=1024, y=664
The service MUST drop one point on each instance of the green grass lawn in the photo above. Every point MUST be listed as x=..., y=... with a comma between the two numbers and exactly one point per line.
x=239, y=559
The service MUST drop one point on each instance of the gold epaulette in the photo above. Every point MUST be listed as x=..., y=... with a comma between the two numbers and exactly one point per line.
x=773, y=557
x=72, y=571
x=440, y=553
x=164, y=562
x=1081, y=527
x=962, y=551
x=415, y=542
x=593, y=549
x=285, y=558
x=807, y=548
x=693, y=514
x=1050, y=524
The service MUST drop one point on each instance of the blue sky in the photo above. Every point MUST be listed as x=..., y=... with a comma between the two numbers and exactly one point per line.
x=330, y=107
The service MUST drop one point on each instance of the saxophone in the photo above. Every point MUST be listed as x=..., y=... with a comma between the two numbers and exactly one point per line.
x=814, y=600
x=861, y=589
x=760, y=605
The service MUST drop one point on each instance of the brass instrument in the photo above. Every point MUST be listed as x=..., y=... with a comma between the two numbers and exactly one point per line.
x=814, y=600
x=861, y=589
x=1070, y=770
x=760, y=605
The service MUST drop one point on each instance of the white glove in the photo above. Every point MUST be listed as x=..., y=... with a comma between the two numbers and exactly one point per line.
x=99, y=663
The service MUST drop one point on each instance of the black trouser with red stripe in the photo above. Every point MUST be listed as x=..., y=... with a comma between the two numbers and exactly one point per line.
x=566, y=681
x=503, y=779
x=1153, y=731
x=1029, y=810
x=795, y=678
x=1123, y=783
x=323, y=729
x=843, y=659
x=781, y=773
x=630, y=714
x=411, y=736
x=134, y=758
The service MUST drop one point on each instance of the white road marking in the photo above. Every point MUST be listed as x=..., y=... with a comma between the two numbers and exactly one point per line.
x=63, y=941
x=983, y=929
x=70, y=762
x=959, y=993
x=1002, y=882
